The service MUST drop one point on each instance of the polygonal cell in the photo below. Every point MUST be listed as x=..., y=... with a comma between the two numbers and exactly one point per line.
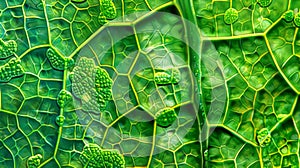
x=231, y=15
x=7, y=48
x=34, y=161
x=93, y=157
x=11, y=69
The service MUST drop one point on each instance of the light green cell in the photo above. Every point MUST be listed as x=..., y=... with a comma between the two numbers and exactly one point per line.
x=263, y=137
x=168, y=76
x=11, y=69
x=103, y=85
x=108, y=9
x=34, y=161
x=93, y=156
x=102, y=19
x=57, y=61
x=231, y=15
x=264, y=3
x=7, y=48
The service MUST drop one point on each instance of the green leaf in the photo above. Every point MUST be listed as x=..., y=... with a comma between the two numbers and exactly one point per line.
x=131, y=83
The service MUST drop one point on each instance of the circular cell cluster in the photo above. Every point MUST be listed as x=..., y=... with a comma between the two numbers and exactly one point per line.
x=264, y=3
x=263, y=137
x=34, y=161
x=7, y=48
x=108, y=9
x=12, y=68
x=288, y=16
x=297, y=20
x=60, y=120
x=231, y=15
x=93, y=157
x=63, y=98
x=166, y=117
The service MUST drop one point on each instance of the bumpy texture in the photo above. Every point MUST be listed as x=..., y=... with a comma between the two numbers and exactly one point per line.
x=166, y=117
x=231, y=15
x=7, y=48
x=93, y=156
x=230, y=76
x=11, y=69
x=108, y=9
x=91, y=84
x=34, y=161
x=57, y=61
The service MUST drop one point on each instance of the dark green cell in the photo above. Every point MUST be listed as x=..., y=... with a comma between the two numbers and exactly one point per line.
x=10, y=70
x=231, y=15
x=7, y=48
x=264, y=3
x=93, y=156
x=34, y=161
x=166, y=117
x=288, y=16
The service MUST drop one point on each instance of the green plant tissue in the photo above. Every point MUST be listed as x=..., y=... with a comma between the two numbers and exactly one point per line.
x=149, y=83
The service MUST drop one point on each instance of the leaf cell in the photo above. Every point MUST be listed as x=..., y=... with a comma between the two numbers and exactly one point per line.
x=10, y=70
x=264, y=3
x=166, y=117
x=231, y=15
x=7, y=48
x=263, y=137
x=93, y=157
x=34, y=161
